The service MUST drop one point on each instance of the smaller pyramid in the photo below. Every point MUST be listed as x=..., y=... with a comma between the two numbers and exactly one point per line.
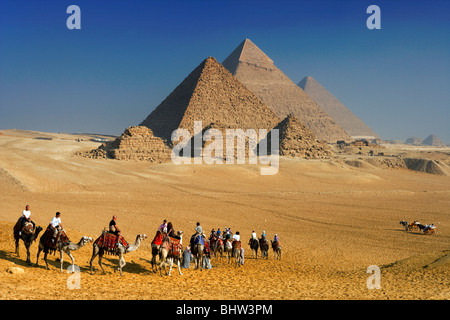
x=136, y=143
x=353, y=125
x=415, y=141
x=434, y=141
x=296, y=140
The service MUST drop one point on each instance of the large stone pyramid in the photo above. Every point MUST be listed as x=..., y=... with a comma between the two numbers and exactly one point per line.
x=353, y=125
x=210, y=94
x=257, y=72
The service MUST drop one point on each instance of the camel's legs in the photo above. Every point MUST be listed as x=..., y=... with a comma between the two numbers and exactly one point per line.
x=71, y=257
x=122, y=263
x=179, y=267
x=94, y=254
x=170, y=265
x=28, y=253
x=100, y=257
x=45, y=259
x=37, y=258
x=17, y=247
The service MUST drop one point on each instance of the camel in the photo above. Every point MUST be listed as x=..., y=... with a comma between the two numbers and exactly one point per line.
x=237, y=252
x=166, y=252
x=218, y=247
x=197, y=251
x=156, y=243
x=276, y=246
x=119, y=251
x=254, y=246
x=28, y=235
x=264, y=246
x=228, y=250
x=61, y=247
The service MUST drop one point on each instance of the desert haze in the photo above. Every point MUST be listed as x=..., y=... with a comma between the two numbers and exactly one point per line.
x=335, y=218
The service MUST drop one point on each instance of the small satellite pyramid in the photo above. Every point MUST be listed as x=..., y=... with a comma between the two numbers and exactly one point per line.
x=210, y=94
x=353, y=125
x=257, y=72
x=432, y=140
x=296, y=140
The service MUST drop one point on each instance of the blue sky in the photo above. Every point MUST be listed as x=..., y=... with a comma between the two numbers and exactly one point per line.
x=129, y=55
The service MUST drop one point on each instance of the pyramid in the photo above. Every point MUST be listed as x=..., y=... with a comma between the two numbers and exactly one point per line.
x=353, y=125
x=210, y=94
x=414, y=141
x=432, y=140
x=136, y=143
x=296, y=140
x=258, y=73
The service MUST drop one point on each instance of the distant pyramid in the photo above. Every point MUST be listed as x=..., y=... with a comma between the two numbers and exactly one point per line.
x=257, y=72
x=353, y=125
x=432, y=140
x=296, y=140
x=210, y=94
x=415, y=141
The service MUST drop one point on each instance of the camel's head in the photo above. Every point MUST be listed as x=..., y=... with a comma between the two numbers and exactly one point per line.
x=180, y=233
x=142, y=236
x=86, y=239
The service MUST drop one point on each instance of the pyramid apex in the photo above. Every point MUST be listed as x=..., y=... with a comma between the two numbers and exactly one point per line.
x=247, y=52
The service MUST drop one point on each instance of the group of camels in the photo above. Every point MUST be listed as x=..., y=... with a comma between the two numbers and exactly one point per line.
x=169, y=250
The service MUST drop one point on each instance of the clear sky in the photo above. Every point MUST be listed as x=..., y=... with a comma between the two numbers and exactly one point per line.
x=129, y=55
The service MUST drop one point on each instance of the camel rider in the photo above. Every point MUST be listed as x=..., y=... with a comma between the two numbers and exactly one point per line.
x=55, y=224
x=263, y=235
x=198, y=229
x=276, y=238
x=254, y=235
x=26, y=217
x=163, y=227
x=219, y=233
x=113, y=228
x=171, y=231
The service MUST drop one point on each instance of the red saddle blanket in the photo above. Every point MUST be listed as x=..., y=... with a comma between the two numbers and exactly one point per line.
x=236, y=244
x=176, y=246
x=50, y=241
x=108, y=241
x=158, y=238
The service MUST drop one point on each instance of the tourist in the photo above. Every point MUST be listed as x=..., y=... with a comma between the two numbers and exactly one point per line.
x=198, y=229
x=113, y=228
x=163, y=227
x=55, y=224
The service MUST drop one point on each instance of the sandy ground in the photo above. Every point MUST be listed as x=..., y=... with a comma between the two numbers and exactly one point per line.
x=334, y=221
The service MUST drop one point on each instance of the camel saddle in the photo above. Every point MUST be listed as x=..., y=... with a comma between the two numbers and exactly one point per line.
x=108, y=241
x=236, y=244
x=158, y=238
x=50, y=241
x=27, y=229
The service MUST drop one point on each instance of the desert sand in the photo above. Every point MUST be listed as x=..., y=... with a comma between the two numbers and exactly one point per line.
x=334, y=221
